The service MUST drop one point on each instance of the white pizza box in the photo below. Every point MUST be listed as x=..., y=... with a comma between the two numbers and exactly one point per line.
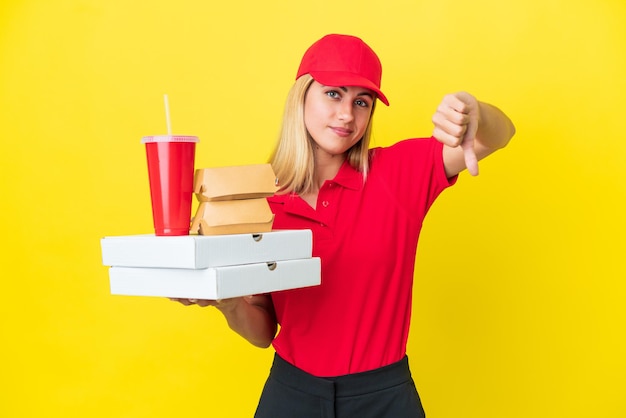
x=203, y=251
x=216, y=282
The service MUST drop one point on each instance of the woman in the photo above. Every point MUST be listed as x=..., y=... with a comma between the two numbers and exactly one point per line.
x=341, y=349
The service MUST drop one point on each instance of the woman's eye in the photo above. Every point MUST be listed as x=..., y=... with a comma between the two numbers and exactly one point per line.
x=361, y=103
x=332, y=93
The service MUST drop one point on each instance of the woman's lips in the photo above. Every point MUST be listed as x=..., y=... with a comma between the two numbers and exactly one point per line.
x=343, y=132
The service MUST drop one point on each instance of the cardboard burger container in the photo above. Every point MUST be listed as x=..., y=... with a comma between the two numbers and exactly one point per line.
x=235, y=182
x=233, y=217
x=232, y=199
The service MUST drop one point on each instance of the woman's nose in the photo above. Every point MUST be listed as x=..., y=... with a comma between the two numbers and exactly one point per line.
x=345, y=111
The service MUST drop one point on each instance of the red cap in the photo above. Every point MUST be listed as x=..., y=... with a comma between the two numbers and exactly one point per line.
x=343, y=60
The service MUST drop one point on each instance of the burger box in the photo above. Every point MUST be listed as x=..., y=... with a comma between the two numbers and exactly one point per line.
x=216, y=282
x=232, y=199
x=199, y=251
x=232, y=217
x=235, y=182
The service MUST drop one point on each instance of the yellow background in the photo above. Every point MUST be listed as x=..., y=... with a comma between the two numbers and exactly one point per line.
x=519, y=298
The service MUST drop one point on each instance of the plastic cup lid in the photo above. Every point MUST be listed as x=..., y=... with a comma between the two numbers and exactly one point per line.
x=169, y=138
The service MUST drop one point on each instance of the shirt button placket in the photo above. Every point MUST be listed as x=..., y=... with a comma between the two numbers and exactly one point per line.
x=325, y=203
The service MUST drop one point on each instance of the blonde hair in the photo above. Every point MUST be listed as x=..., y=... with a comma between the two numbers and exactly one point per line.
x=293, y=158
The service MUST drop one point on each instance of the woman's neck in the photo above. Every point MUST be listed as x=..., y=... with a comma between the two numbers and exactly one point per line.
x=326, y=168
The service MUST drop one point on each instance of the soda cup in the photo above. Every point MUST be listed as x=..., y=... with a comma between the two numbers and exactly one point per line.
x=171, y=172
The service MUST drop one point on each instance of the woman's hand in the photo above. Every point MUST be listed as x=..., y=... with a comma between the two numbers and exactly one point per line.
x=456, y=122
x=219, y=303
x=252, y=317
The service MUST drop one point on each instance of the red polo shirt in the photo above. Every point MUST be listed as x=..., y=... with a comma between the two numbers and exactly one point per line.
x=366, y=236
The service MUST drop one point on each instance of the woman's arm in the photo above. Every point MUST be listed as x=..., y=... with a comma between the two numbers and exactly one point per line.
x=471, y=130
x=252, y=317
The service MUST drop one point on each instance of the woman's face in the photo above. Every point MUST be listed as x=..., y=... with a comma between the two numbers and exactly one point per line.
x=337, y=117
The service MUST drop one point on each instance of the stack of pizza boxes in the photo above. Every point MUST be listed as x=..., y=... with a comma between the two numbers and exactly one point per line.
x=231, y=250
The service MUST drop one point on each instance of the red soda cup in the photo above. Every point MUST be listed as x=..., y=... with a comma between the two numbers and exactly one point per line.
x=171, y=172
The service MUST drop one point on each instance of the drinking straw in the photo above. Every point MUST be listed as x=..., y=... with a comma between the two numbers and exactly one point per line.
x=167, y=115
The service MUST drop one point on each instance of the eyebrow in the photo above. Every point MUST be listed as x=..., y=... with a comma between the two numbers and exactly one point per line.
x=363, y=93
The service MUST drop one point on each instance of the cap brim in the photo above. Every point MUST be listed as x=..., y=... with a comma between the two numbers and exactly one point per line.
x=338, y=79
